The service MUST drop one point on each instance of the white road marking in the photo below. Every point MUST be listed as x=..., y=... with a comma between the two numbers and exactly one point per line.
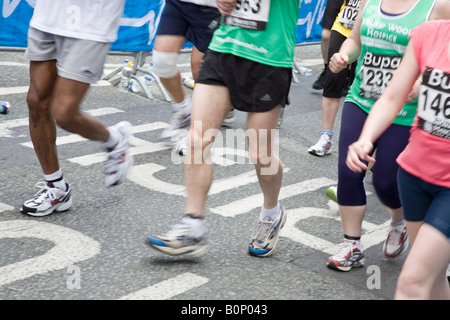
x=168, y=288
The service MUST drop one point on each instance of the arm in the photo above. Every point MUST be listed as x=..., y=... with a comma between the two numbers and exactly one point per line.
x=384, y=111
x=351, y=48
x=441, y=10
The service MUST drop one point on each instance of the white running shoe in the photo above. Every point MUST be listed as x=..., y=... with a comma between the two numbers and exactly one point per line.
x=265, y=237
x=397, y=241
x=180, y=240
x=119, y=159
x=47, y=199
x=181, y=119
x=348, y=256
x=322, y=147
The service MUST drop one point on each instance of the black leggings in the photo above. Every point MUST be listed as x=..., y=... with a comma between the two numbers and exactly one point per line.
x=350, y=190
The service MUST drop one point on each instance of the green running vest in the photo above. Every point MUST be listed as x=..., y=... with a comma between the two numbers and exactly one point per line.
x=263, y=31
x=383, y=42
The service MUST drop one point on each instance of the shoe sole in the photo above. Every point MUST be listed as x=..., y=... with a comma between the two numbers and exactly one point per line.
x=192, y=251
x=58, y=208
x=332, y=264
x=319, y=154
x=255, y=253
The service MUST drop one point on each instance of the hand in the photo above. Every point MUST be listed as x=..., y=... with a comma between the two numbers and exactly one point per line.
x=226, y=7
x=338, y=62
x=357, y=152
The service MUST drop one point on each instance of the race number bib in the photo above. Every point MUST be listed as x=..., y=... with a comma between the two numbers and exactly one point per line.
x=348, y=15
x=434, y=103
x=376, y=72
x=249, y=14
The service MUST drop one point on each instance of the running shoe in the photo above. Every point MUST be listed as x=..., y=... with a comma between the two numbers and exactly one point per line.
x=119, y=159
x=397, y=241
x=266, y=235
x=348, y=256
x=319, y=84
x=322, y=147
x=331, y=193
x=180, y=241
x=180, y=120
x=47, y=200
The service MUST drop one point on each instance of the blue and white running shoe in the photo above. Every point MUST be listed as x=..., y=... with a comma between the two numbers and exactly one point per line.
x=265, y=237
x=180, y=240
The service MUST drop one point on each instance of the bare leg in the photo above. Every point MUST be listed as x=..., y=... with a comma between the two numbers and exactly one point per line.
x=210, y=106
x=424, y=273
x=268, y=166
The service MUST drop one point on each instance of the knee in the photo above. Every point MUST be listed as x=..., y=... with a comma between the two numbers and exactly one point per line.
x=38, y=106
x=409, y=285
x=200, y=143
x=165, y=64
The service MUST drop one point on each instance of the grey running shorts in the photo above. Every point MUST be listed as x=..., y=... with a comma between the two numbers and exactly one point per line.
x=76, y=59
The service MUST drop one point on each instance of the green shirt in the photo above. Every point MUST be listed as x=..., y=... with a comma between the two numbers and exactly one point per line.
x=262, y=31
x=384, y=39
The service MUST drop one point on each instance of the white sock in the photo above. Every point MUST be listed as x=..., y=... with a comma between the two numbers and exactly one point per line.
x=271, y=213
x=113, y=139
x=184, y=106
x=197, y=225
x=57, y=179
x=397, y=223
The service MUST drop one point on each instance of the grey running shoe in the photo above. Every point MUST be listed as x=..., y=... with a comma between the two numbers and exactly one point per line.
x=348, y=256
x=322, y=147
x=265, y=237
x=119, y=159
x=180, y=241
x=47, y=200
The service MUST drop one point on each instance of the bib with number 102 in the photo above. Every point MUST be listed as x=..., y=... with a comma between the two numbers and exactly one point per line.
x=249, y=14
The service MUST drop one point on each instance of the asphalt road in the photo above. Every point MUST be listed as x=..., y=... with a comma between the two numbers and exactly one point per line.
x=96, y=250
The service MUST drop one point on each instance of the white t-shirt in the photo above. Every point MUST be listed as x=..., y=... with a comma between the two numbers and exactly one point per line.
x=209, y=3
x=96, y=20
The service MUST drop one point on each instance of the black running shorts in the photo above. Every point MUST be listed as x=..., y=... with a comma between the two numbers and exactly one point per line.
x=332, y=9
x=253, y=87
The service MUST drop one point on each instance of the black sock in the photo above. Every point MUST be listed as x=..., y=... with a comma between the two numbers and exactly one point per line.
x=351, y=238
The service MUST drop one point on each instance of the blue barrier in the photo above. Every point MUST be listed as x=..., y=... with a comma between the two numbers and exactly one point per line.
x=139, y=23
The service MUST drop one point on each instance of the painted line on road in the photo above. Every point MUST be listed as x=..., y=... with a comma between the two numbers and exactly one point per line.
x=7, y=126
x=168, y=288
x=70, y=247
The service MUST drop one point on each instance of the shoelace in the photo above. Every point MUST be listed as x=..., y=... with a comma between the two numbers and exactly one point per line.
x=263, y=229
x=44, y=192
x=177, y=230
x=345, y=248
x=395, y=234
